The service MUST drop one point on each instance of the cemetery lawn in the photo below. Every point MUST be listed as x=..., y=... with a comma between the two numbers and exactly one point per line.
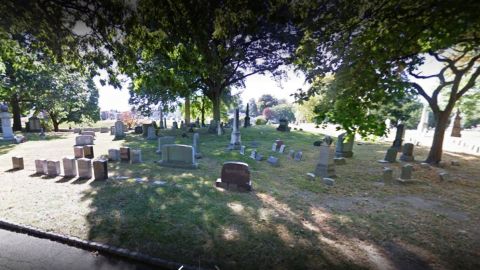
x=287, y=222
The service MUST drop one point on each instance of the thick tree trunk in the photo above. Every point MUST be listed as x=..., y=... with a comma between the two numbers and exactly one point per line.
x=202, y=111
x=436, y=150
x=17, y=117
x=187, y=111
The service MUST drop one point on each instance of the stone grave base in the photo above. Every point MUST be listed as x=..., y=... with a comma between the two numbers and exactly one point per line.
x=220, y=184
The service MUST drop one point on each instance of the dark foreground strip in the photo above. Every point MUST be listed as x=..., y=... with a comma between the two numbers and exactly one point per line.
x=94, y=246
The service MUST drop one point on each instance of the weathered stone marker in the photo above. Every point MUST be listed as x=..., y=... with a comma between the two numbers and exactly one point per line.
x=88, y=151
x=151, y=133
x=397, y=143
x=407, y=152
x=136, y=156
x=78, y=151
x=291, y=154
x=235, y=137
x=387, y=174
x=82, y=140
x=456, y=125
x=178, y=155
x=344, y=149
x=272, y=161
x=406, y=173
x=196, y=147
x=84, y=168
x=339, y=161
x=138, y=130
x=281, y=149
x=41, y=166
x=242, y=150
x=100, y=169
x=88, y=132
x=53, y=168
x=325, y=166
x=390, y=156
x=104, y=130
x=125, y=154
x=17, y=163
x=236, y=173
x=283, y=125
x=164, y=141
x=253, y=154
x=298, y=156
x=6, y=120
x=113, y=154
x=274, y=147
x=69, y=167
x=34, y=124
x=119, y=130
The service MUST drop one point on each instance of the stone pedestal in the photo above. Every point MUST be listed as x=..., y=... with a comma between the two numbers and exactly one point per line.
x=41, y=166
x=100, y=169
x=88, y=151
x=78, y=151
x=84, y=168
x=69, y=167
x=113, y=154
x=53, y=168
x=17, y=163
x=6, y=125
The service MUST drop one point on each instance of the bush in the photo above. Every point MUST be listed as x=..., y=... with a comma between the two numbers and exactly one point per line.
x=260, y=121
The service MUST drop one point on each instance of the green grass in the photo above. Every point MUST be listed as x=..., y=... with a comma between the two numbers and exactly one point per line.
x=287, y=222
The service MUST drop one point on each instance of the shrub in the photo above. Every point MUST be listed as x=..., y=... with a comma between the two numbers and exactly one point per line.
x=260, y=121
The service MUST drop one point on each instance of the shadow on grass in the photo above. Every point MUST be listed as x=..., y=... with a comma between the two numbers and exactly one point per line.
x=13, y=170
x=65, y=179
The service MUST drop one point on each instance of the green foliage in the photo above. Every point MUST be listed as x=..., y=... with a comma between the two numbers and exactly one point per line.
x=253, y=108
x=284, y=111
x=260, y=121
x=266, y=101
x=470, y=107
x=268, y=114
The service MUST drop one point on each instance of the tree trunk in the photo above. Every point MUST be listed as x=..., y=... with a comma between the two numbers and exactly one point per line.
x=187, y=111
x=17, y=117
x=202, y=110
x=436, y=150
x=216, y=111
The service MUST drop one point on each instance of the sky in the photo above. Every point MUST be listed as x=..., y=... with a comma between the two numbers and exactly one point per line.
x=255, y=86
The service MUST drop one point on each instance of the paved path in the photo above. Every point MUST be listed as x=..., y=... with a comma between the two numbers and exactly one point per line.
x=23, y=252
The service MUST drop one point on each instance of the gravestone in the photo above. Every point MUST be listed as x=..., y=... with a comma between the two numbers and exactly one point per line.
x=258, y=157
x=339, y=161
x=197, y=122
x=113, y=154
x=91, y=133
x=196, y=147
x=182, y=125
x=328, y=181
x=406, y=173
x=100, y=169
x=163, y=141
x=53, y=168
x=151, y=133
x=17, y=163
x=456, y=125
x=136, y=156
x=6, y=120
x=274, y=147
x=291, y=154
x=326, y=166
x=272, y=161
x=190, y=129
x=41, y=166
x=282, y=149
x=278, y=144
x=283, y=125
x=34, y=124
x=298, y=156
x=390, y=156
x=397, y=143
x=112, y=130
x=119, y=130
x=344, y=148
x=387, y=174
x=76, y=130
x=235, y=137
x=78, y=151
x=236, y=173
x=84, y=166
x=407, y=152
x=242, y=150
x=138, y=130
x=253, y=154
x=103, y=129
x=125, y=154
x=178, y=155
x=165, y=123
x=69, y=167
x=81, y=140
x=422, y=126
x=174, y=125
x=145, y=130
x=246, y=122
x=88, y=151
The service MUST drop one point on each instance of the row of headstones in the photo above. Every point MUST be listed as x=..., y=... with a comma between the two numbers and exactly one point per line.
x=406, y=174
x=88, y=131
x=407, y=154
x=52, y=168
x=475, y=148
x=125, y=154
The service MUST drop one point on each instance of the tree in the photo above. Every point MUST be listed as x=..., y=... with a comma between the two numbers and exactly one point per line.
x=284, y=111
x=266, y=101
x=470, y=107
x=268, y=114
x=229, y=42
x=253, y=107
x=374, y=49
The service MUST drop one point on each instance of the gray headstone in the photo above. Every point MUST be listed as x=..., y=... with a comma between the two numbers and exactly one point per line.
x=282, y=148
x=298, y=156
x=151, y=133
x=328, y=181
x=272, y=161
x=406, y=173
x=242, y=150
x=53, y=168
x=387, y=174
x=17, y=163
x=344, y=148
x=443, y=176
x=114, y=154
x=178, y=155
x=253, y=154
x=325, y=166
x=89, y=132
x=164, y=141
x=84, y=166
x=235, y=137
x=258, y=157
x=104, y=130
x=274, y=147
x=407, y=152
x=390, y=156
x=69, y=167
x=6, y=121
x=291, y=154
x=174, y=125
x=196, y=147
x=119, y=130
x=136, y=156
x=82, y=140
x=41, y=166
x=236, y=173
x=399, y=135
x=34, y=124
